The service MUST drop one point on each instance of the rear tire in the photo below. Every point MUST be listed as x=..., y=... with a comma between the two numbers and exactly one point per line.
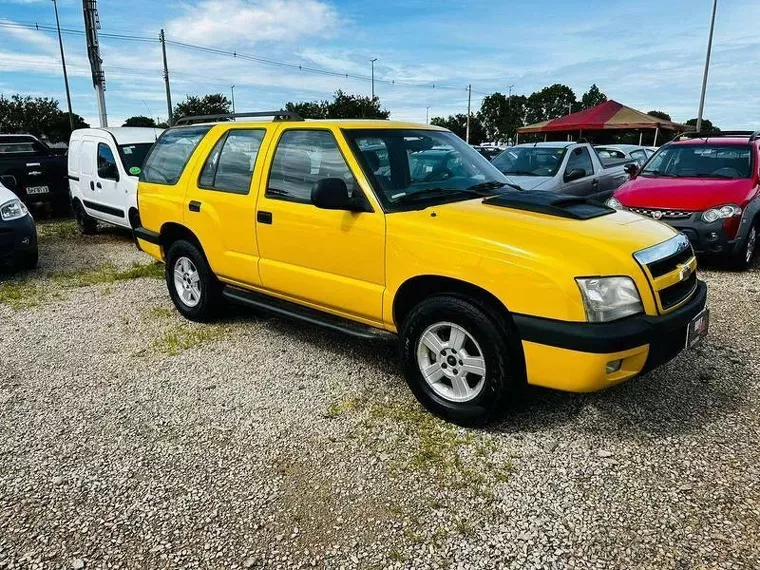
x=87, y=225
x=742, y=259
x=194, y=289
x=471, y=371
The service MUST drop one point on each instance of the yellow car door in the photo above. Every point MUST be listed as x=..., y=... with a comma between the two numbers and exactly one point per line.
x=330, y=259
x=221, y=204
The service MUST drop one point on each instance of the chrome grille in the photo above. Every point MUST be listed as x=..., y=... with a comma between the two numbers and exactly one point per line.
x=660, y=214
x=671, y=268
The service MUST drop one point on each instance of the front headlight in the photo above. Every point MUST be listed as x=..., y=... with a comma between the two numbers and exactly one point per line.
x=13, y=210
x=609, y=298
x=614, y=203
x=721, y=213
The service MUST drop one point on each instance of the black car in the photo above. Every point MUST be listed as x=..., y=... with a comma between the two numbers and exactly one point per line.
x=18, y=234
x=39, y=173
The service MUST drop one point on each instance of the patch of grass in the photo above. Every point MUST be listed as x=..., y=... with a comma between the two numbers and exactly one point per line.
x=108, y=273
x=175, y=341
x=58, y=231
x=22, y=294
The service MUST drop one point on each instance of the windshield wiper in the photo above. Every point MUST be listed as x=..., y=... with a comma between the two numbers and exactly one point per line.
x=437, y=192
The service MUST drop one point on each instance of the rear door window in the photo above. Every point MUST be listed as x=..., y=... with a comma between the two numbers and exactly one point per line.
x=230, y=165
x=170, y=154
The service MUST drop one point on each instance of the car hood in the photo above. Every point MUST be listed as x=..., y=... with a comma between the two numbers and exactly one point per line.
x=528, y=182
x=589, y=247
x=682, y=193
x=6, y=195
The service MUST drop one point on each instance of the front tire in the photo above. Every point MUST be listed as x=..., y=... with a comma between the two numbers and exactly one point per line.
x=193, y=287
x=742, y=259
x=458, y=360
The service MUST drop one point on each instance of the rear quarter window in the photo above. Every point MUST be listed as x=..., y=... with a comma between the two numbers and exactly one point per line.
x=170, y=154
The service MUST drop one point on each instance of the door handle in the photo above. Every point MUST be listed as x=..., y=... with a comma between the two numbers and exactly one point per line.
x=98, y=185
x=92, y=185
x=194, y=206
x=264, y=217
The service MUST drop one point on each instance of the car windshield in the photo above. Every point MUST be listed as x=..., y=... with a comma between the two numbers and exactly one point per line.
x=416, y=168
x=134, y=154
x=701, y=161
x=530, y=161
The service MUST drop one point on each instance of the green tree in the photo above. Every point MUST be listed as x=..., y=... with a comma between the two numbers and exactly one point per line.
x=550, y=103
x=501, y=116
x=660, y=115
x=707, y=126
x=139, y=121
x=458, y=125
x=39, y=116
x=342, y=106
x=592, y=97
x=213, y=104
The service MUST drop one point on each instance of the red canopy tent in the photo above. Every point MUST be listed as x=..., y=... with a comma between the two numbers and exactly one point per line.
x=609, y=115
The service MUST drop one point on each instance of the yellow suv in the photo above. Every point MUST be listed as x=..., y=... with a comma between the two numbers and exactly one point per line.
x=377, y=227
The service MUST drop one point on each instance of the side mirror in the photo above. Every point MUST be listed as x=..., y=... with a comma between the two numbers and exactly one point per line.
x=575, y=174
x=632, y=169
x=109, y=172
x=332, y=194
x=9, y=181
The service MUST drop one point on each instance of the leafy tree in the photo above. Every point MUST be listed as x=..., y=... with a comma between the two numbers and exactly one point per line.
x=213, y=104
x=549, y=103
x=342, y=106
x=458, y=125
x=39, y=116
x=707, y=126
x=501, y=116
x=139, y=121
x=660, y=115
x=592, y=97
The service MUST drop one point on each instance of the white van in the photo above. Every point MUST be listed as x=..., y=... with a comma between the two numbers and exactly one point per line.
x=104, y=165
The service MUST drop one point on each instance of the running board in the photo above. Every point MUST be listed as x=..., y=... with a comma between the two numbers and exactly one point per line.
x=301, y=313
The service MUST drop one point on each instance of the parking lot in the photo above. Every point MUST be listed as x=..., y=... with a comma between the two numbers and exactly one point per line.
x=131, y=438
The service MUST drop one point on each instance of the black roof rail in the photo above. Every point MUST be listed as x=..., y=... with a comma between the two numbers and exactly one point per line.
x=753, y=135
x=276, y=115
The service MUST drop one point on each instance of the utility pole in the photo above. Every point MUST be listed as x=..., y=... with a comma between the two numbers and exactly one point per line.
x=707, y=68
x=63, y=63
x=162, y=39
x=427, y=115
x=232, y=87
x=91, y=27
x=372, y=63
x=469, y=100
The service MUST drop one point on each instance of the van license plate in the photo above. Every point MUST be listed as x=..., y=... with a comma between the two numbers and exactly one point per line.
x=37, y=190
x=698, y=329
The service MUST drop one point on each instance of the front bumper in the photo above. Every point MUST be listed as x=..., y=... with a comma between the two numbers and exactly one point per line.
x=573, y=356
x=17, y=238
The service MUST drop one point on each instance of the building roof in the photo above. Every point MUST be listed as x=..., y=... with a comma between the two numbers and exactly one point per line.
x=605, y=116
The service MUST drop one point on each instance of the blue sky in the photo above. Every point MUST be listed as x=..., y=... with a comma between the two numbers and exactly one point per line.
x=648, y=54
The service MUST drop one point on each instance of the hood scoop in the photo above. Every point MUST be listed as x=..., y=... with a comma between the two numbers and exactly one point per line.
x=552, y=204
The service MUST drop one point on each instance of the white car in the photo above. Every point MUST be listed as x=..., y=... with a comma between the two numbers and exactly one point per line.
x=104, y=165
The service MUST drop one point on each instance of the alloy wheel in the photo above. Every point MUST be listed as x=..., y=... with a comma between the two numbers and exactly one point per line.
x=451, y=362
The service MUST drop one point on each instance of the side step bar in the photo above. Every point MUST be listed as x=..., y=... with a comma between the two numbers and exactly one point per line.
x=293, y=311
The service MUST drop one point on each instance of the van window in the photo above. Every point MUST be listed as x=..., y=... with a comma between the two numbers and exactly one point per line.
x=170, y=154
x=230, y=165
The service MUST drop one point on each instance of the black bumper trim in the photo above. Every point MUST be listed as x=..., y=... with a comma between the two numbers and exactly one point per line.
x=603, y=338
x=147, y=235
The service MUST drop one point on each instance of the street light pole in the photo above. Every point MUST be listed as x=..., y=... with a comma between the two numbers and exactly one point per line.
x=372, y=63
x=63, y=63
x=707, y=67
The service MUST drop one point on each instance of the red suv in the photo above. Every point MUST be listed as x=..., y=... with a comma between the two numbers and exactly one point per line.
x=705, y=185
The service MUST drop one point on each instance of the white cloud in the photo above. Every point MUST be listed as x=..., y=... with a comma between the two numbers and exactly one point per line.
x=230, y=22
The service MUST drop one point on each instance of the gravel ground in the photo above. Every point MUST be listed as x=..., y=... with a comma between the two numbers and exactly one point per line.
x=131, y=438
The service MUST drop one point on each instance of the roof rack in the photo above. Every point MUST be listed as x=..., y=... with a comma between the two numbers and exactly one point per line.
x=276, y=115
x=753, y=135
